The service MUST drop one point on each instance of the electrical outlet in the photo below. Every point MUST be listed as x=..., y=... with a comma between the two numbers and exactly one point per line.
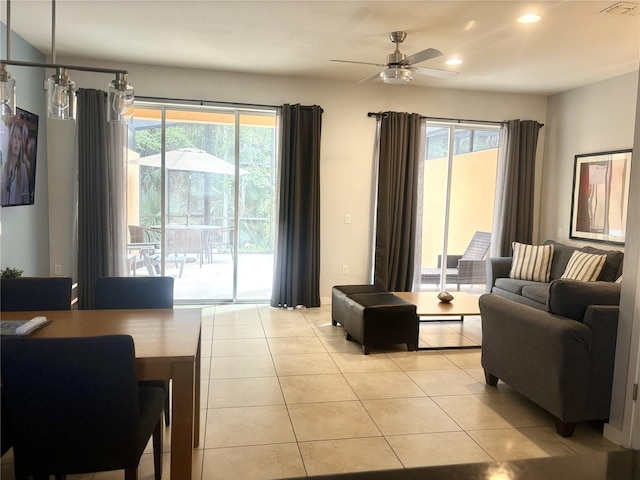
x=345, y=269
x=57, y=270
x=347, y=218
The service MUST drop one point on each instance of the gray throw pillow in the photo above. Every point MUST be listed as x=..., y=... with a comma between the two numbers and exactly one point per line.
x=561, y=255
x=611, y=269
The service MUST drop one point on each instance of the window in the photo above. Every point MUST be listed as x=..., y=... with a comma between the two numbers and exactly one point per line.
x=201, y=183
x=458, y=195
x=466, y=140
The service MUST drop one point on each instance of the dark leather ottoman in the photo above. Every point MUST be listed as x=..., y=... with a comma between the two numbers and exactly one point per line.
x=380, y=319
x=340, y=292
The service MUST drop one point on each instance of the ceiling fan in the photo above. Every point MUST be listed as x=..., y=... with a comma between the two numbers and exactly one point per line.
x=399, y=68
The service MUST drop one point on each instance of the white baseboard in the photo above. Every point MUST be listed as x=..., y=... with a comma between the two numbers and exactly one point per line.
x=616, y=436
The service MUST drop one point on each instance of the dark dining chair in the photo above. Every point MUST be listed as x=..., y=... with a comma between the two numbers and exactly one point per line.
x=5, y=436
x=74, y=406
x=133, y=292
x=137, y=292
x=35, y=293
x=25, y=294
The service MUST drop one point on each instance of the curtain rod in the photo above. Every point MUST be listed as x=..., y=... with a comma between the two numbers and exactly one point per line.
x=461, y=120
x=203, y=102
x=454, y=120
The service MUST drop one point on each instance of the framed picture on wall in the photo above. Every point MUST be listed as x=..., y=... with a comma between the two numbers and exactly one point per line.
x=600, y=196
x=19, y=144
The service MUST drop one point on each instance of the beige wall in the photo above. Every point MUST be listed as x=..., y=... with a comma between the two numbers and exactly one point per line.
x=471, y=204
x=595, y=118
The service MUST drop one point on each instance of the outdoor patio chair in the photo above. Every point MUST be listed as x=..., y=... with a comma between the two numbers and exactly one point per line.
x=185, y=241
x=221, y=238
x=147, y=242
x=472, y=266
x=466, y=269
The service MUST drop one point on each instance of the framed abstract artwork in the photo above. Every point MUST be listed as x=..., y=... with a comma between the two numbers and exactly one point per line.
x=600, y=196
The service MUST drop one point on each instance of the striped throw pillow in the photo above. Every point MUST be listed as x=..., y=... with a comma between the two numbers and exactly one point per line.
x=584, y=266
x=531, y=262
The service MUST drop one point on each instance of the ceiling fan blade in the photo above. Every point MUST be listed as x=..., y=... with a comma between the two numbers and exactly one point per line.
x=421, y=56
x=361, y=63
x=434, y=72
x=372, y=77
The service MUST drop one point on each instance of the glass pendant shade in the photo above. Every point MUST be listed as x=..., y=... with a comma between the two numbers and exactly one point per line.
x=396, y=75
x=120, y=100
x=7, y=93
x=60, y=96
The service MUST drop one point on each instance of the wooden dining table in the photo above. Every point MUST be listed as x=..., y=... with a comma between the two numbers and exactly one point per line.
x=167, y=346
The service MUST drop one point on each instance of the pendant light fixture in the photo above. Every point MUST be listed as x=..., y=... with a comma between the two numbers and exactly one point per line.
x=60, y=95
x=7, y=82
x=7, y=92
x=120, y=99
x=60, y=88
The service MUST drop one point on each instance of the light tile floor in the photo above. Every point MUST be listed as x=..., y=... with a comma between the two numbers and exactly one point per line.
x=284, y=395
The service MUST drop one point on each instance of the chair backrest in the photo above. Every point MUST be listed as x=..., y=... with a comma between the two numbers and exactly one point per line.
x=478, y=247
x=72, y=403
x=35, y=293
x=139, y=234
x=5, y=436
x=136, y=234
x=134, y=292
x=182, y=241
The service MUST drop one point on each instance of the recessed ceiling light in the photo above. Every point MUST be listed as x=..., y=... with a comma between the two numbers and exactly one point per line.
x=454, y=61
x=529, y=18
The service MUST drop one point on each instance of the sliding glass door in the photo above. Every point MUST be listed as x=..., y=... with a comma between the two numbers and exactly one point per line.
x=460, y=164
x=201, y=190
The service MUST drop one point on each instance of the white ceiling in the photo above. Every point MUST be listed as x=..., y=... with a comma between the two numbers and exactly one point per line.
x=573, y=45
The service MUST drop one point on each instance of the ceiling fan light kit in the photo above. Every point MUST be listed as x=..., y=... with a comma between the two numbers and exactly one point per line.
x=399, y=68
x=396, y=76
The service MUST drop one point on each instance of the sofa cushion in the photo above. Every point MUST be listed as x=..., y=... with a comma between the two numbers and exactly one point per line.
x=537, y=293
x=515, y=285
x=584, y=266
x=561, y=255
x=612, y=268
x=519, y=299
x=570, y=298
x=531, y=262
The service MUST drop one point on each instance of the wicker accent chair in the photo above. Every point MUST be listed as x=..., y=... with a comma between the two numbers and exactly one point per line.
x=466, y=269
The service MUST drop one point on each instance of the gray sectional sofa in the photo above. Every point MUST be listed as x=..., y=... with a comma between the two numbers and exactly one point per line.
x=562, y=359
x=554, y=342
x=535, y=294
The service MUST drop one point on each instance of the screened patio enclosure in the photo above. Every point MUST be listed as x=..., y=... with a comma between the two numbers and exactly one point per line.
x=201, y=186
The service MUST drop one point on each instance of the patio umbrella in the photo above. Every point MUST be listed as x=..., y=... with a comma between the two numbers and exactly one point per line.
x=190, y=160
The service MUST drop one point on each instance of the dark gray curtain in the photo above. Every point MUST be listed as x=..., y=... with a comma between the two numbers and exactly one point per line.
x=513, y=211
x=297, y=259
x=397, y=202
x=101, y=194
